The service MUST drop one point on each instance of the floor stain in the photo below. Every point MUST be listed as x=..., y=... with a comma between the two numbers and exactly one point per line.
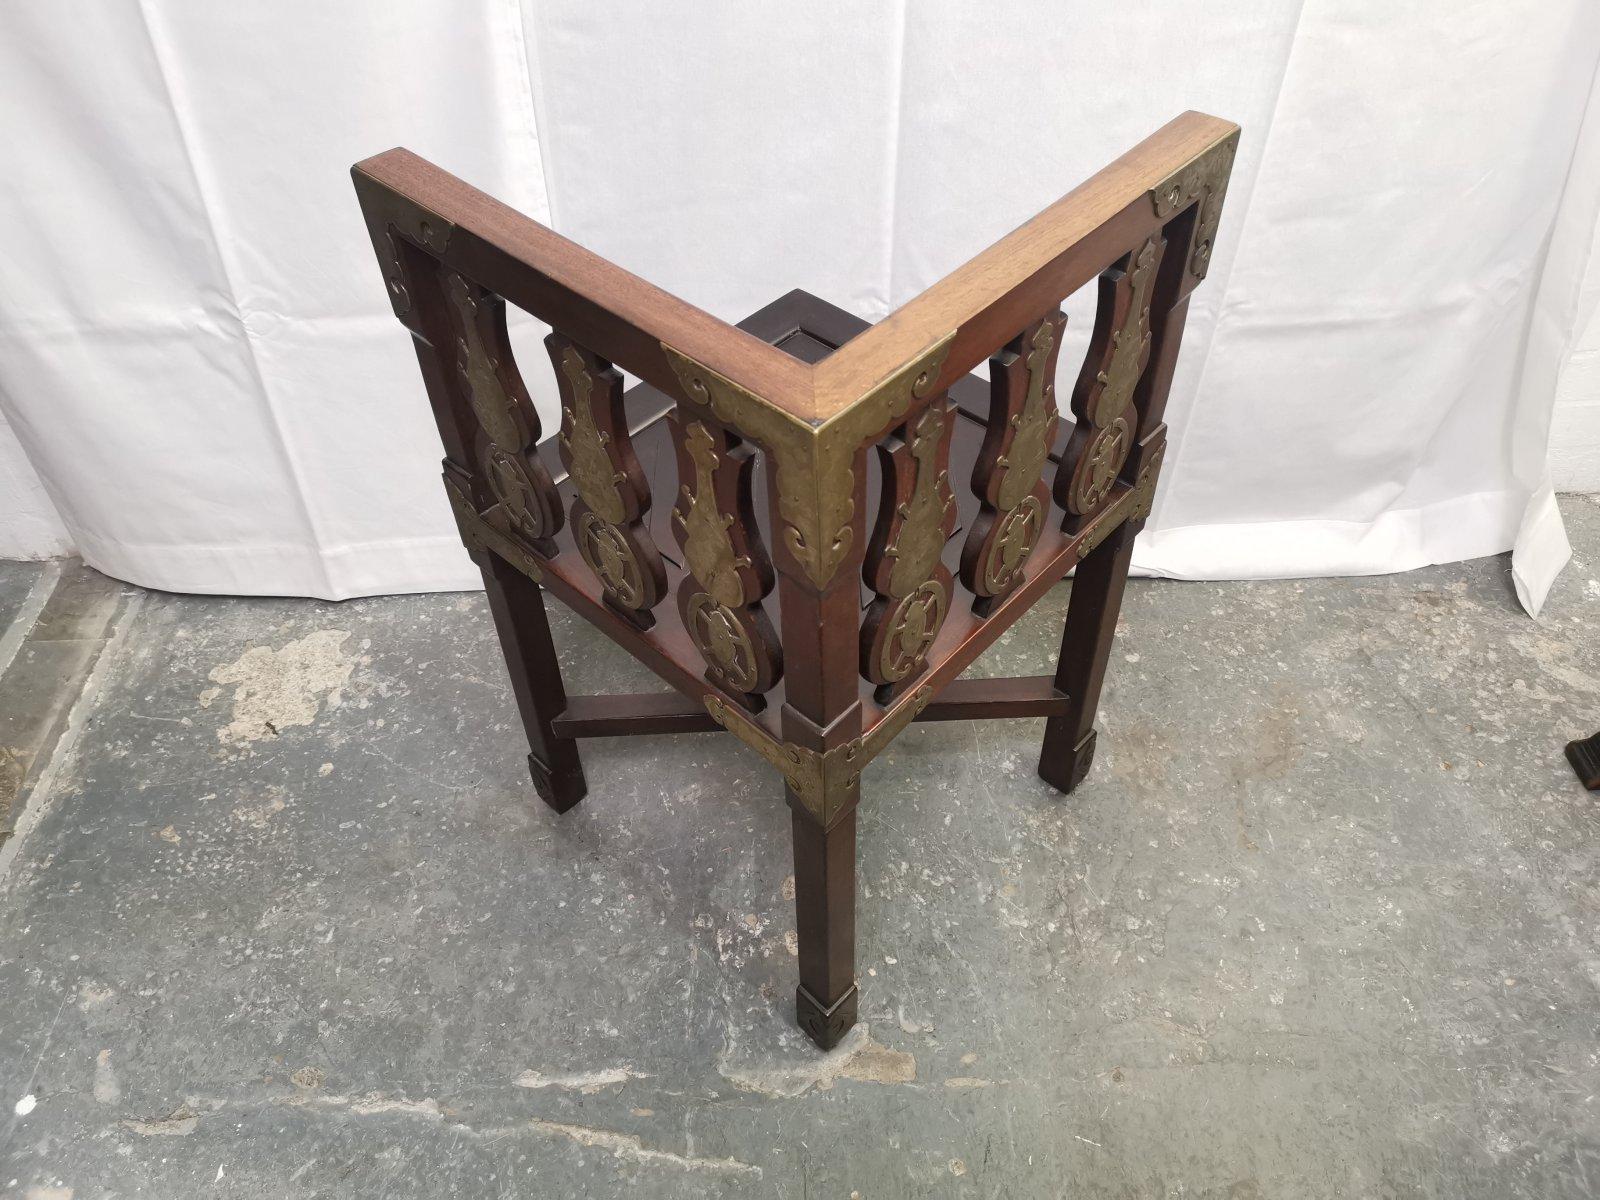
x=857, y=1058
x=280, y=689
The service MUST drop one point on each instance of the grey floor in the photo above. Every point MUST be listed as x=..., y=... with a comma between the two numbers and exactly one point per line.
x=282, y=917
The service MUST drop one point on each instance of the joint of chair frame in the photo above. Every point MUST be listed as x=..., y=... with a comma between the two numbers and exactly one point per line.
x=1202, y=180
x=389, y=214
x=824, y=782
x=815, y=459
x=478, y=534
x=1133, y=502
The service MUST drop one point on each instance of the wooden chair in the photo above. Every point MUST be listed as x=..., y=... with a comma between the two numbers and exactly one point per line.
x=842, y=516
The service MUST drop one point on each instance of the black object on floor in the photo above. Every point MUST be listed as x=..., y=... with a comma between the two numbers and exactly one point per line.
x=1584, y=755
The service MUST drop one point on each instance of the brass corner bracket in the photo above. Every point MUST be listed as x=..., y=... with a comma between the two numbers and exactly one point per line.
x=391, y=216
x=815, y=461
x=822, y=782
x=478, y=534
x=1203, y=178
x=1132, y=504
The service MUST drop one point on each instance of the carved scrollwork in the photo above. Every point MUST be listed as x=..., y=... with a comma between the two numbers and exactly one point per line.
x=714, y=523
x=1103, y=399
x=1008, y=474
x=512, y=484
x=1034, y=428
x=925, y=520
x=612, y=494
x=915, y=519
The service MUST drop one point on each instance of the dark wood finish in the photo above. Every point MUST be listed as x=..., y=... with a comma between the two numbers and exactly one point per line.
x=1022, y=426
x=612, y=496
x=1103, y=398
x=989, y=699
x=1085, y=650
x=612, y=312
x=500, y=423
x=788, y=481
x=910, y=583
x=634, y=714
x=524, y=631
x=1584, y=755
x=441, y=334
x=1027, y=272
x=714, y=521
x=825, y=923
x=821, y=712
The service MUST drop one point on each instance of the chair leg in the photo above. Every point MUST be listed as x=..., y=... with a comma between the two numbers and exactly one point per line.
x=825, y=922
x=1085, y=649
x=524, y=630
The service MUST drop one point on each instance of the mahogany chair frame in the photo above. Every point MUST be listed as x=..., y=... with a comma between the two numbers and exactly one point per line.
x=823, y=599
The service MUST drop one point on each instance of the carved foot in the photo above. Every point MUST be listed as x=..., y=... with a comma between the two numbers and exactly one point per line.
x=825, y=1026
x=559, y=790
x=1066, y=771
x=1584, y=755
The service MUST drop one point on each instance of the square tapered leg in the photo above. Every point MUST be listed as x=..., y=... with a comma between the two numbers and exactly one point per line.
x=524, y=630
x=1092, y=611
x=825, y=921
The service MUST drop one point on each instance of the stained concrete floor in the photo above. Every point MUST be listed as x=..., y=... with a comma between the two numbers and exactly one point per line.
x=282, y=917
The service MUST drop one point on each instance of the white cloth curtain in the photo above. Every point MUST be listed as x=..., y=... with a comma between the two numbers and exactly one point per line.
x=198, y=360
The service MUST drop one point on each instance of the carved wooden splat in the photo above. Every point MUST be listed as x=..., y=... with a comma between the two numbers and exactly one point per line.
x=612, y=494
x=1008, y=475
x=513, y=488
x=1102, y=401
x=916, y=516
x=728, y=569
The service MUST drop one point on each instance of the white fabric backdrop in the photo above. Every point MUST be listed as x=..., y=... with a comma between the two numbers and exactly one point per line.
x=197, y=357
x=1574, y=265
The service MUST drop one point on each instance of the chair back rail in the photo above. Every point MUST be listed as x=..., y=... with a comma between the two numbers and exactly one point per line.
x=878, y=601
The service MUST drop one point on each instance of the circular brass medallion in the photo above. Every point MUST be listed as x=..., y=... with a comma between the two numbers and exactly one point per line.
x=519, y=500
x=611, y=558
x=1012, y=544
x=722, y=640
x=912, y=626
x=1097, y=467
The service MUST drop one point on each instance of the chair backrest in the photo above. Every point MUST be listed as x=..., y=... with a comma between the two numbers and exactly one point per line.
x=875, y=610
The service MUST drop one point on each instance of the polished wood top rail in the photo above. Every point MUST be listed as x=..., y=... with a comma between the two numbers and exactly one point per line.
x=1051, y=256
x=625, y=318
x=606, y=308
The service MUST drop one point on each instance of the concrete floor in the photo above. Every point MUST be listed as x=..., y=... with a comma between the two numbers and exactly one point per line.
x=283, y=918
